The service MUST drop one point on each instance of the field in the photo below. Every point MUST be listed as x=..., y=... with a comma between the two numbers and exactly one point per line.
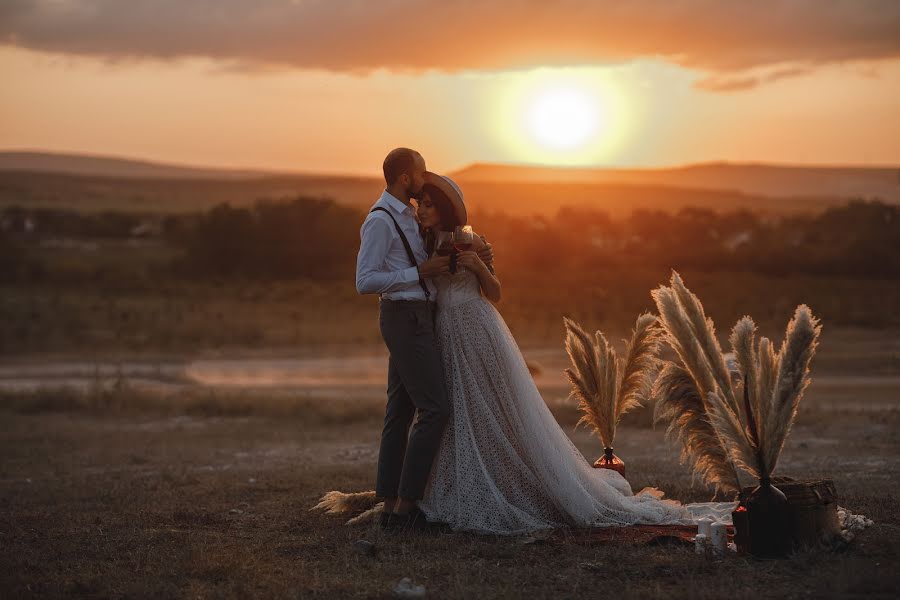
x=166, y=425
x=134, y=314
x=194, y=478
x=132, y=494
x=167, y=438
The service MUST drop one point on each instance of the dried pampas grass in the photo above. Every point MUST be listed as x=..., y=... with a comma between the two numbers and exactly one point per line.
x=605, y=385
x=678, y=402
x=699, y=397
x=783, y=398
x=364, y=504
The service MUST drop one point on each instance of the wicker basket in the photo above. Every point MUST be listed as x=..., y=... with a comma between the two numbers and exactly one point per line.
x=812, y=508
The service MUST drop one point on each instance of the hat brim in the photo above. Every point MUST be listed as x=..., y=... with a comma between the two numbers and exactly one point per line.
x=459, y=207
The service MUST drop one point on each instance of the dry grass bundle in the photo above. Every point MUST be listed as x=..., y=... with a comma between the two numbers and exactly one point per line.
x=678, y=402
x=364, y=504
x=342, y=502
x=783, y=392
x=605, y=385
x=699, y=398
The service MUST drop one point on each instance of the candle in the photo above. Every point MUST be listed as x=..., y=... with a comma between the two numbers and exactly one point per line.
x=719, y=538
x=700, y=543
x=704, y=526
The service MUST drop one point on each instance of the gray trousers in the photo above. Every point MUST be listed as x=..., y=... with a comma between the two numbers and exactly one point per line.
x=415, y=386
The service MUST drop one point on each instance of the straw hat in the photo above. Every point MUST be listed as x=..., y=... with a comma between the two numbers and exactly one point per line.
x=452, y=191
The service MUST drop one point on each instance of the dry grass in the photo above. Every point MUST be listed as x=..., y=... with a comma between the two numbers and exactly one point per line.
x=150, y=316
x=606, y=386
x=143, y=506
x=771, y=384
x=185, y=317
x=123, y=400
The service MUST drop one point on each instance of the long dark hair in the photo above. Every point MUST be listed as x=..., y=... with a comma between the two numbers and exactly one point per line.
x=448, y=219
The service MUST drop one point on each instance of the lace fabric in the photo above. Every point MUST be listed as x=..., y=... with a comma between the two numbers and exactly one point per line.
x=505, y=466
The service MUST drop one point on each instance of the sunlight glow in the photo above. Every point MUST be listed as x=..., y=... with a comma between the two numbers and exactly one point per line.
x=562, y=116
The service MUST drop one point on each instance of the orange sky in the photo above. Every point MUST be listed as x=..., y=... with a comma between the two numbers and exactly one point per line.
x=243, y=92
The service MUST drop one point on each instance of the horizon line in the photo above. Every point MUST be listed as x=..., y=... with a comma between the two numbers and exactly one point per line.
x=271, y=171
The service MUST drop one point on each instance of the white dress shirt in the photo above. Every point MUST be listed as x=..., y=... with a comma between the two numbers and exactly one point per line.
x=382, y=265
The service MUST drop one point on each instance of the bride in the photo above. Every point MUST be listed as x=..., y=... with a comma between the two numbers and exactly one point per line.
x=504, y=465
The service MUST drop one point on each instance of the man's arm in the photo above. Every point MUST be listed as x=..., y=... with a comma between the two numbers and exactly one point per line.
x=371, y=276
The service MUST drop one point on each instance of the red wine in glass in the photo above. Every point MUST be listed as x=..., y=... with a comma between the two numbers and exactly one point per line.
x=444, y=243
x=463, y=238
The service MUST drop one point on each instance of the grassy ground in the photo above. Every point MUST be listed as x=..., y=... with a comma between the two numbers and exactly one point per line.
x=139, y=498
x=144, y=315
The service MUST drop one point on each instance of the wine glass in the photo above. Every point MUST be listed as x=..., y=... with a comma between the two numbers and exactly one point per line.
x=463, y=238
x=443, y=243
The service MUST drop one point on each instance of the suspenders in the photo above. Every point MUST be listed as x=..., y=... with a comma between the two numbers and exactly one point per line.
x=409, y=252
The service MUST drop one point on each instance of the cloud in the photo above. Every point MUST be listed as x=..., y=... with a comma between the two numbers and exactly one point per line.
x=744, y=81
x=728, y=39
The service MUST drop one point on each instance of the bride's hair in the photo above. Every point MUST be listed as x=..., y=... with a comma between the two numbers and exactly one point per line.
x=446, y=214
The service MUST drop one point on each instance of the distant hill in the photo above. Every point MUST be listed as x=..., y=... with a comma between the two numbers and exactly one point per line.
x=95, y=183
x=85, y=164
x=102, y=183
x=762, y=179
x=174, y=194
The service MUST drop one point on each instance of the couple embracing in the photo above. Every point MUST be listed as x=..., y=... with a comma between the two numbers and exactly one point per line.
x=468, y=442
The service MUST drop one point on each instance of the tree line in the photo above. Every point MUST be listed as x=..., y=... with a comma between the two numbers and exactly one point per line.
x=319, y=238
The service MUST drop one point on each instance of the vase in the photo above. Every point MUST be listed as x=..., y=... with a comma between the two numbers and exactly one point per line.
x=610, y=461
x=768, y=521
x=741, y=524
x=812, y=511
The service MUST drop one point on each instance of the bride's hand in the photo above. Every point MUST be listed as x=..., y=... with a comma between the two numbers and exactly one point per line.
x=470, y=260
x=435, y=267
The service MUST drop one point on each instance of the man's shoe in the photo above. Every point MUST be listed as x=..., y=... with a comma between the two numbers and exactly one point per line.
x=414, y=520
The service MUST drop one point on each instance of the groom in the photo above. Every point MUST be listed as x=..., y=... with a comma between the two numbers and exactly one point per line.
x=393, y=263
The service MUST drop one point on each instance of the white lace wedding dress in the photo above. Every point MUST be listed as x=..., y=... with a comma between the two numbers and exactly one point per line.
x=505, y=466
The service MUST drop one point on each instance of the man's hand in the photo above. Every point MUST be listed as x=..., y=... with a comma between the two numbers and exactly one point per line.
x=486, y=254
x=471, y=260
x=435, y=266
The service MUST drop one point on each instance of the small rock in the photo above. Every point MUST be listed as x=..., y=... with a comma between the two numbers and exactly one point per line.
x=364, y=547
x=251, y=480
x=236, y=511
x=405, y=588
x=594, y=567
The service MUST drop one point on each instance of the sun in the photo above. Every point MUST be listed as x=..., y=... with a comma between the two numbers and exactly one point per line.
x=567, y=117
x=564, y=118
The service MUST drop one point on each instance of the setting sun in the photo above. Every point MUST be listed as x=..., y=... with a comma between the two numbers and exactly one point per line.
x=565, y=118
